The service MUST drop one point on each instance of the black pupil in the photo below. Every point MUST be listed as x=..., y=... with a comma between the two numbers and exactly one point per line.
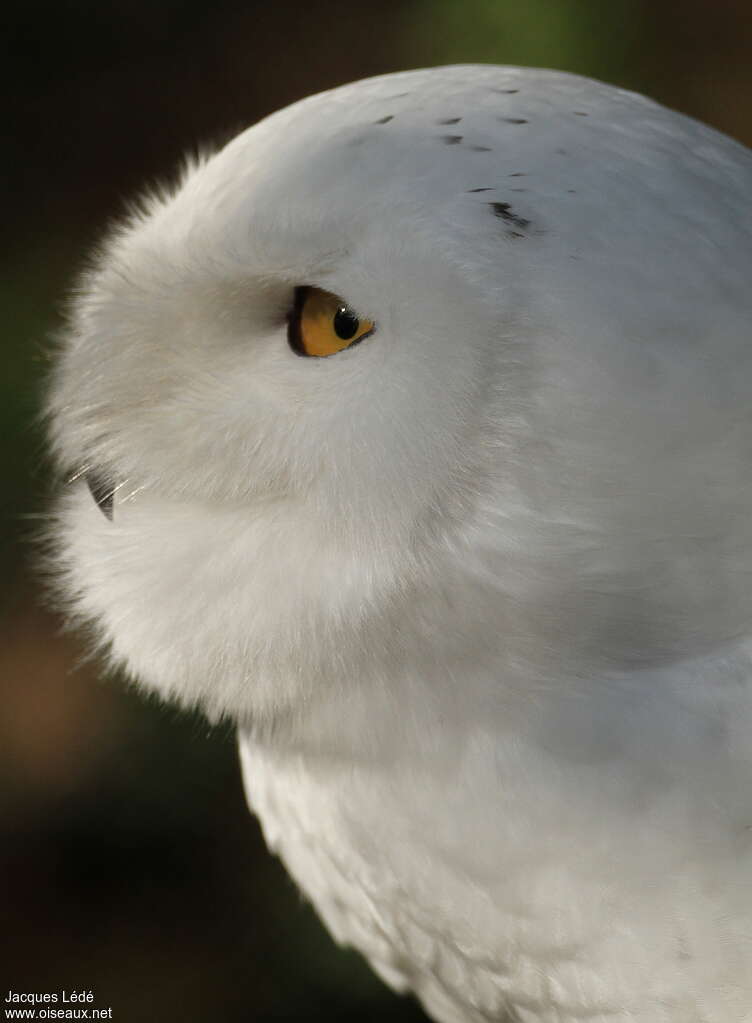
x=345, y=323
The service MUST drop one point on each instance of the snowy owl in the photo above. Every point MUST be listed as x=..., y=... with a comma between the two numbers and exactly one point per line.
x=412, y=432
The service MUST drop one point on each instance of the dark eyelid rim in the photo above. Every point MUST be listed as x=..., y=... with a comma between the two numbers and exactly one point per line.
x=293, y=321
x=294, y=337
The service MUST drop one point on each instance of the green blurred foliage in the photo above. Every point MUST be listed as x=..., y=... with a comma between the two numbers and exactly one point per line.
x=584, y=36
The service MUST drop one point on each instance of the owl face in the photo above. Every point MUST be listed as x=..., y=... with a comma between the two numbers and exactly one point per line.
x=377, y=337
x=238, y=392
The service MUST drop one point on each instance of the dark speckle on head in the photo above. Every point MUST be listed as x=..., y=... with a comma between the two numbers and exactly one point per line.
x=513, y=120
x=481, y=190
x=580, y=113
x=504, y=212
x=505, y=92
x=572, y=191
x=451, y=140
x=518, y=174
x=481, y=149
x=450, y=120
x=383, y=120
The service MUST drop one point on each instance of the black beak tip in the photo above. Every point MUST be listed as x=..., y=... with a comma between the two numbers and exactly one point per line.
x=103, y=491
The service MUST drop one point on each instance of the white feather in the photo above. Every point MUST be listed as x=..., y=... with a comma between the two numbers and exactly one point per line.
x=477, y=591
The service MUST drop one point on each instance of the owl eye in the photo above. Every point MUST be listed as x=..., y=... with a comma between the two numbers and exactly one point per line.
x=322, y=324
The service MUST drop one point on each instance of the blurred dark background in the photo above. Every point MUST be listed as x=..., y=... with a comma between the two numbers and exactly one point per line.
x=128, y=863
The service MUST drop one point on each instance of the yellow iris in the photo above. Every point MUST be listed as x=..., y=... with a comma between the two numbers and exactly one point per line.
x=323, y=324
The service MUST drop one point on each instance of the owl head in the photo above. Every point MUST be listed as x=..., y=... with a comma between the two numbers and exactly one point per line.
x=434, y=369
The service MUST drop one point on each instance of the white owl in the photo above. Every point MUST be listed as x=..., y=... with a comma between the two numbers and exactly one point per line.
x=420, y=420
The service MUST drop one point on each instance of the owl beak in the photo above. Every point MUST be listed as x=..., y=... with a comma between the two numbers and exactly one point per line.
x=103, y=491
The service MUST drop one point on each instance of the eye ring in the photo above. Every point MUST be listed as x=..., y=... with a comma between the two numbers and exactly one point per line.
x=321, y=324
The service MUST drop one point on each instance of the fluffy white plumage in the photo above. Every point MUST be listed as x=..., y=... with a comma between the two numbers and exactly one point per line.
x=477, y=590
